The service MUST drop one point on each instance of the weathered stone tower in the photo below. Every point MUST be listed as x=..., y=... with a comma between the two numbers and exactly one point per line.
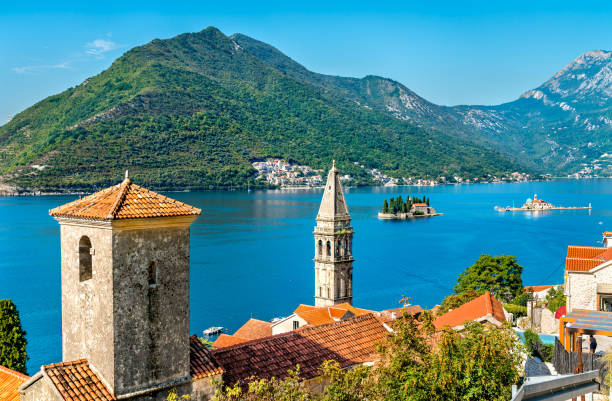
x=125, y=287
x=333, y=246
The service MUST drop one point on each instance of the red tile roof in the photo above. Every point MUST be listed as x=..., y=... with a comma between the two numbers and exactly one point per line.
x=485, y=307
x=200, y=361
x=227, y=340
x=124, y=201
x=75, y=381
x=254, y=329
x=585, y=258
x=315, y=315
x=420, y=204
x=538, y=288
x=10, y=381
x=396, y=313
x=349, y=342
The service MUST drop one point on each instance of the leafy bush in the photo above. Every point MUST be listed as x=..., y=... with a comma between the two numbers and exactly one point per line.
x=555, y=299
x=537, y=348
x=521, y=299
x=516, y=310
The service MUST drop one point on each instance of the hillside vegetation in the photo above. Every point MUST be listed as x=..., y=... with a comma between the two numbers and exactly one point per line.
x=193, y=111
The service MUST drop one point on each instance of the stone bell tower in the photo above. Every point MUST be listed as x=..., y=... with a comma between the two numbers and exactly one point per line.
x=333, y=236
x=125, y=287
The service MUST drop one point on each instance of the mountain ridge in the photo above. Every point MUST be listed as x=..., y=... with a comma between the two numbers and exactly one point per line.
x=190, y=112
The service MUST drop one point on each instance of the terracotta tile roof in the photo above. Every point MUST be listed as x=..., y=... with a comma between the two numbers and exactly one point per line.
x=607, y=233
x=254, y=329
x=201, y=363
x=420, y=204
x=315, y=316
x=349, y=342
x=585, y=258
x=227, y=340
x=538, y=288
x=10, y=381
x=485, y=307
x=396, y=313
x=75, y=381
x=124, y=201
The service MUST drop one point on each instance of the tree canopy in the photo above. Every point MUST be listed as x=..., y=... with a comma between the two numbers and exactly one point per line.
x=12, y=338
x=499, y=274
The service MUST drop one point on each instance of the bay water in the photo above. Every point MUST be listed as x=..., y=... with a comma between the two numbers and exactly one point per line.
x=251, y=252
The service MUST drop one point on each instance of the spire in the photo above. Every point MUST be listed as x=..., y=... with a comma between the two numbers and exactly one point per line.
x=127, y=176
x=333, y=204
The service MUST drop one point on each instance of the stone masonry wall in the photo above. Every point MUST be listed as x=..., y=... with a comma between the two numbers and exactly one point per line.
x=151, y=324
x=40, y=390
x=583, y=288
x=87, y=307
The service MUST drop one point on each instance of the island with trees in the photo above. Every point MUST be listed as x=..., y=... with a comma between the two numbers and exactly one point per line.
x=398, y=209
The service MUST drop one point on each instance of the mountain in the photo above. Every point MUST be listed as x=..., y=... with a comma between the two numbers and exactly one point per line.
x=193, y=111
x=560, y=127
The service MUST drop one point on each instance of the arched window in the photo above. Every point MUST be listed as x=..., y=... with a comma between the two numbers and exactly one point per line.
x=152, y=273
x=328, y=293
x=342, y=287
x=85, y=270
x=338, y=247
x=328, y=248
x=320, y=248
x=346, y=250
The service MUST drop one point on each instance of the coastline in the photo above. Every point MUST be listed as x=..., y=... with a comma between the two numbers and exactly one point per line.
x=9, y=191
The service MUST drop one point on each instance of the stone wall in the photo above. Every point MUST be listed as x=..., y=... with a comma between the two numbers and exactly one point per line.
x=151, y=325
x=204, y=389
x=87, y=306
x=582, y=287
x=40, y=390
x=286, y=324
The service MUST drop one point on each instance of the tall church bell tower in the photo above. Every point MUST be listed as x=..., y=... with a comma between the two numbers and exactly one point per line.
x=333, y=236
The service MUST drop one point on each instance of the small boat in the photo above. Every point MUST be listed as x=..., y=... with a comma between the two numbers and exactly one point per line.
x=213, y=331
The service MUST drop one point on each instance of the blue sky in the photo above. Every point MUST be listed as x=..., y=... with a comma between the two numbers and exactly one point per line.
x=450, y=52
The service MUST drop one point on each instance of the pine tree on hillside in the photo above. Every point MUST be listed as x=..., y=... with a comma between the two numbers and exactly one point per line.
x=12, y=338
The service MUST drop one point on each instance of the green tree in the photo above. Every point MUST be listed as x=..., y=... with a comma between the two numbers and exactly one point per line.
x=12, y=338
x=499, y=274
x=385, y=208
x=555, y=299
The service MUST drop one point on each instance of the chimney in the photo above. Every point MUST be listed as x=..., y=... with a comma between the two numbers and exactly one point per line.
x=607, y=239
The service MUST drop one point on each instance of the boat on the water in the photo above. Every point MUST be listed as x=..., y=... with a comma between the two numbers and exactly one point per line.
x=538, y=205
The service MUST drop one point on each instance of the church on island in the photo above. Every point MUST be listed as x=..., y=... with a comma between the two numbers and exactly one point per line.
x=125, y=306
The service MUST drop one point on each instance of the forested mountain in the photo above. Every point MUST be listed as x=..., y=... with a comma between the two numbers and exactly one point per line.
x=560, y=127
x=193, y=111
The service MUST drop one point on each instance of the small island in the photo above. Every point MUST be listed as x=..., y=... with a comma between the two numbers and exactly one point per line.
x=537, y=205
x=398, y=209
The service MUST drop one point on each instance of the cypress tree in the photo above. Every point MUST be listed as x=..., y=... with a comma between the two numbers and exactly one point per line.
x=12, y=338
x=385, y=207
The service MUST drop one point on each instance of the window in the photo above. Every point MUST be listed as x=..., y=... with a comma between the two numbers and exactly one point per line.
x=346, y=251
x=328, y=248
x=152, y=272
x=338, y=248
x=320, y=248
x=296, y=325
x=85, y=270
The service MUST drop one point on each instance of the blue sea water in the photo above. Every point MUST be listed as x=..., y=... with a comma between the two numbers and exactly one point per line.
x=251, y=253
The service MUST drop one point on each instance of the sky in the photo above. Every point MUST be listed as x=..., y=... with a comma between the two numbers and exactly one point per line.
x=449, y=52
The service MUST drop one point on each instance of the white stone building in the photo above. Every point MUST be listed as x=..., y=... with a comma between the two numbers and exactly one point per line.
x=588, y=276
